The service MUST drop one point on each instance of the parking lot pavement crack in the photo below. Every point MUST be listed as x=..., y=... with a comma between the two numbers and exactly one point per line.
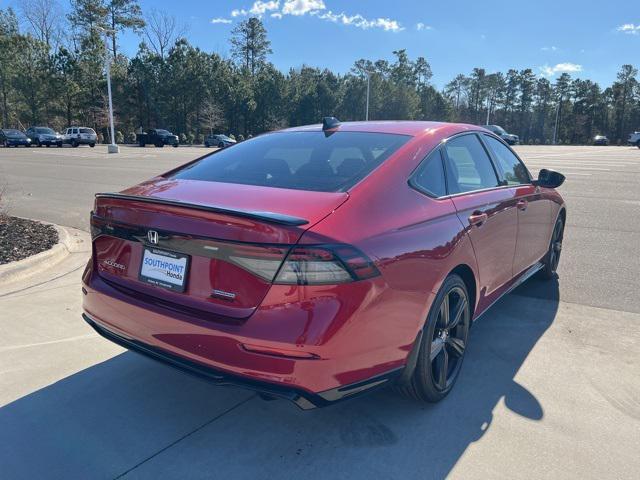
x=187, y=435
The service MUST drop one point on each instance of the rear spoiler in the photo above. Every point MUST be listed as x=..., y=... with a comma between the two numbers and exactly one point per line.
x=269, y=217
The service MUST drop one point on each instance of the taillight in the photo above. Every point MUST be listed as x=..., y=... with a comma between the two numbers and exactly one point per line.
x=325, y=265
x=260, y=260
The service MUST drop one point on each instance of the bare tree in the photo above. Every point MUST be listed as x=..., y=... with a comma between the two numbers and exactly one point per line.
x=162, y=31
x=43, y=17
x=211, y=115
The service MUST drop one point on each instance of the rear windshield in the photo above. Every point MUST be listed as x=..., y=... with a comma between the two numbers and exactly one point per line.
x=87, y=130
x=16, y=133
x=298, y=160
x=44, y=130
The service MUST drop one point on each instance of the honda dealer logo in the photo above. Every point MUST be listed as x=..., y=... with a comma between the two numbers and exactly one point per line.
x=152, y=236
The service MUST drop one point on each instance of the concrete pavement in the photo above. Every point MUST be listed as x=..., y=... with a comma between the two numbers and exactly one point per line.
x=548, y=390
x=550, y=387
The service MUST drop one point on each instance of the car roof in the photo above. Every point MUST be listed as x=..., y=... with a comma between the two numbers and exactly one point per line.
x=399, y=127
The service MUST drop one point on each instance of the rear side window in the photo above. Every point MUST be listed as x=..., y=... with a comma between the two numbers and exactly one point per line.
x=87, y=130
x=298, y=160
x=430, y=176
x=513, y=170
x=468, y=166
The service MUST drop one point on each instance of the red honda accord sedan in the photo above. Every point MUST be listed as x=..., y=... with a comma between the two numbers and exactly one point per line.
x=320, y=262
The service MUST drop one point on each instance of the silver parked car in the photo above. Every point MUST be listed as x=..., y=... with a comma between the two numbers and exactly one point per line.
x=44, y=136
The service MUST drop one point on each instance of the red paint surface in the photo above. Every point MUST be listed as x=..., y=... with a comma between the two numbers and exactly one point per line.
x=357, y=330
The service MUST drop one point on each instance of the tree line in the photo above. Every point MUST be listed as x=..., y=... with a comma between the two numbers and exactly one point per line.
x=52, y=73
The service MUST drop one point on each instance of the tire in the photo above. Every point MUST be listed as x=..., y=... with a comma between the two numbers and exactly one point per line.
x=59, y=145
x=638, y=144
x=37, y=144
x=142, y=144
x=74, y=144
x=221, y=145
x=4, y=144
x=92, y=145
x=175, y=145
x=435, y=374
x=48, y=145
x=206, y=145
x=552, y=257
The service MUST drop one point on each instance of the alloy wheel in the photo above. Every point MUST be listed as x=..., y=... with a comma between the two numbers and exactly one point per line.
x=556, y=246
x=449, y=339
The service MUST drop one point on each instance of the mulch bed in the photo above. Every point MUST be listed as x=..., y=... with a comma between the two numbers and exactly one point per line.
x=21, y=238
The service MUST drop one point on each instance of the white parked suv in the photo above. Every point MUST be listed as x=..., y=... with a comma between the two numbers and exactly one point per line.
x=634, y=139
x=75, y=136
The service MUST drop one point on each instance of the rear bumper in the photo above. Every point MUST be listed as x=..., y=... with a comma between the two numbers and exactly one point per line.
x=332, y=347
x=303, y=399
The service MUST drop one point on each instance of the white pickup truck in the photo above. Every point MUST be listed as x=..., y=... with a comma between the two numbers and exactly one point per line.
x=634, y=139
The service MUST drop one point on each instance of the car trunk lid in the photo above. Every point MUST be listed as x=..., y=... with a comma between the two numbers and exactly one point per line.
x=213, y=247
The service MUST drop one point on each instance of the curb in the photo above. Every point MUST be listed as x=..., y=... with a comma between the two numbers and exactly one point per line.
x=26, y=267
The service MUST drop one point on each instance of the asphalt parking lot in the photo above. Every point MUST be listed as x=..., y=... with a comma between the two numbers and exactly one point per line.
x=550, y=387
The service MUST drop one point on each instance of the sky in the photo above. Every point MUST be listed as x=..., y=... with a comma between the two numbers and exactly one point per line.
x=584, y=38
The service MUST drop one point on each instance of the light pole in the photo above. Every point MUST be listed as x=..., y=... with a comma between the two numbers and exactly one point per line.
x=112, y=147
x=368, y=91
x=555, y=127
x=488, y=109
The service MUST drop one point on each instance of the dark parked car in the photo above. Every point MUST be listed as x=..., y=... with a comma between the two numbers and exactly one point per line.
x=44, y=136
x=321, y=262
x=158, y=137
x=218, y=140
x=510, y=138
x=600, y=140
x=10, y=137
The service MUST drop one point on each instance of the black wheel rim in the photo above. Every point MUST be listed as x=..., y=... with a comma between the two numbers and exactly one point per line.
x=556, y=246
x=449, y=339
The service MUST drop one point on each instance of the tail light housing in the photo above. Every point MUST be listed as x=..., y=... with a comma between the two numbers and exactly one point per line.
x=325, y=265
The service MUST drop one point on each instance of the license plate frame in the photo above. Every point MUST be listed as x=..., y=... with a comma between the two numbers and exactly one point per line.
x=162, y=278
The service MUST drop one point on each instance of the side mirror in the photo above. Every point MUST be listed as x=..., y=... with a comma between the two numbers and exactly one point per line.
x=549, y=179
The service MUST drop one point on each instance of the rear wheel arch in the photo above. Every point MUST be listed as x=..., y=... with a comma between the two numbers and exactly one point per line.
x=465, y=272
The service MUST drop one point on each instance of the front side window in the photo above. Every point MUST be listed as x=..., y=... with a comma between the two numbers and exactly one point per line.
x=298, y=160
x=430, y=176
x=468, y=166
x=513, y=170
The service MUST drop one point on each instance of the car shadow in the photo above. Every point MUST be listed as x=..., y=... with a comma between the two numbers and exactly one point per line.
x=129, y=414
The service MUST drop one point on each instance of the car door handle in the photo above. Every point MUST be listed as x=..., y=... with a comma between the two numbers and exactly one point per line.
x=522, y=205
x=478, y=218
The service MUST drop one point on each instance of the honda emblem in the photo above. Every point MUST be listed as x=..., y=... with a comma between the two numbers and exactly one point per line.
x=153, y=237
